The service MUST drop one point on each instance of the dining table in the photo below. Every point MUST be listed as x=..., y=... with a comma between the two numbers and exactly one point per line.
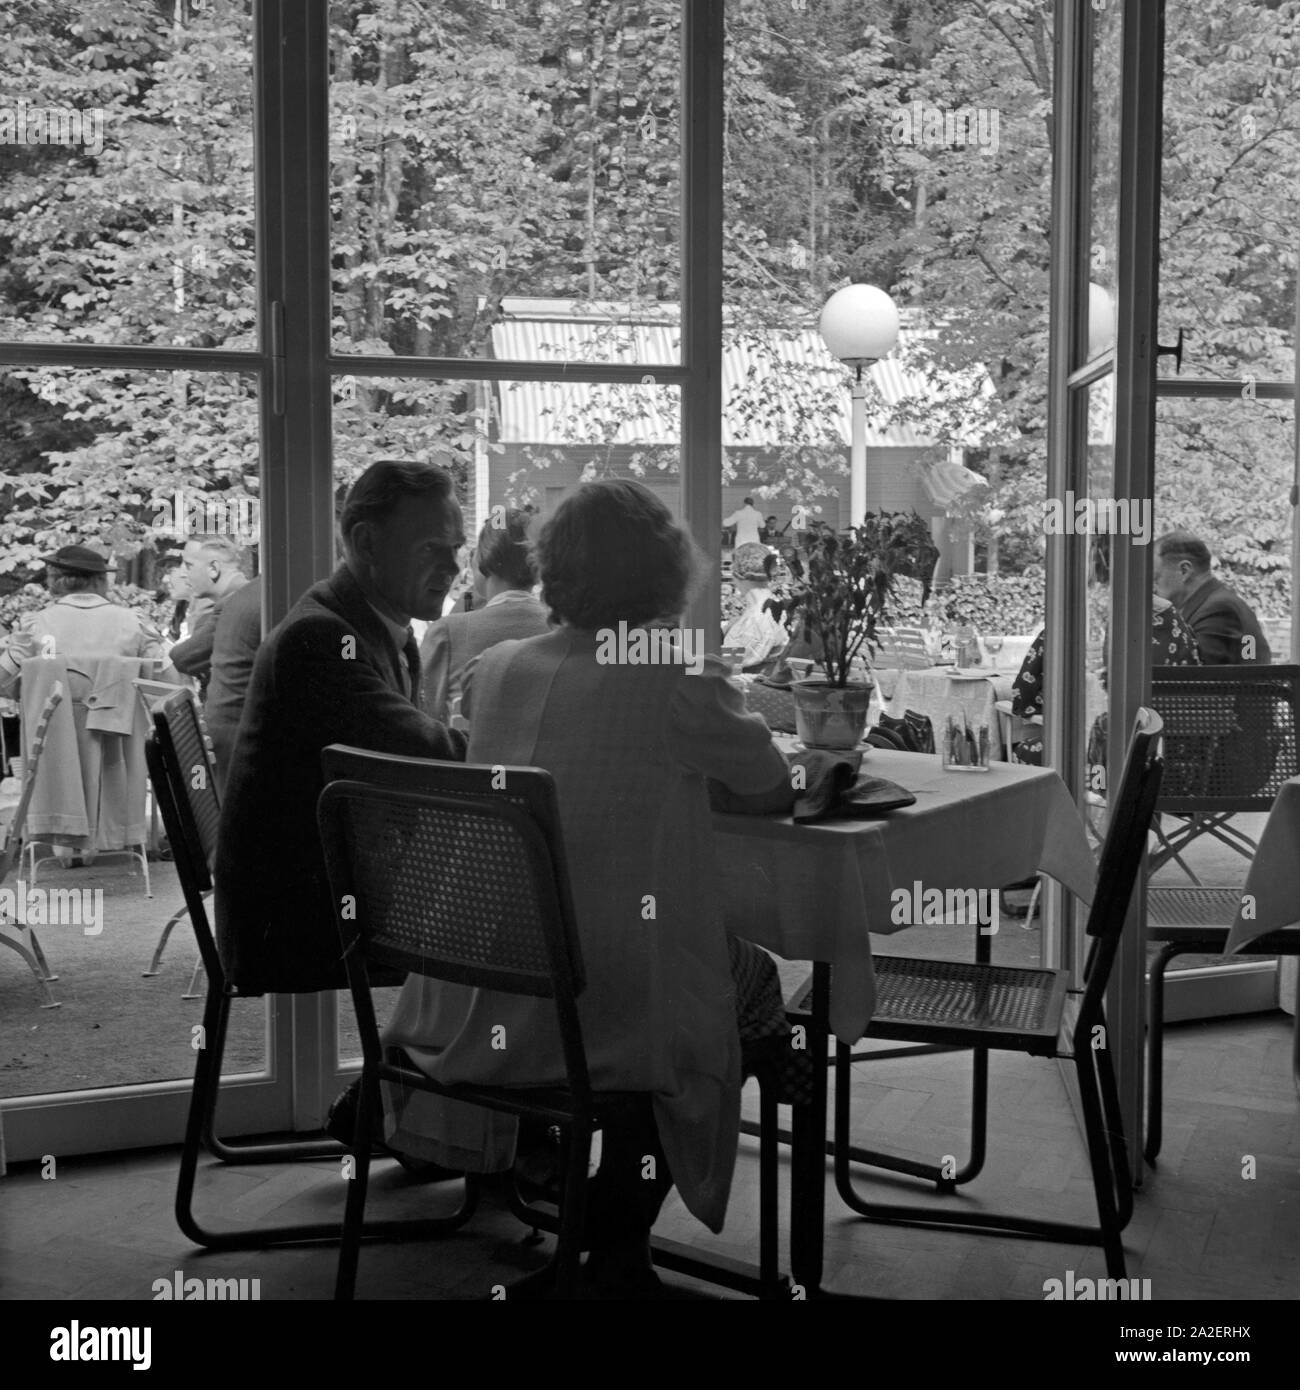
x=1268, y=916
x=967, y=695
x=817, y=892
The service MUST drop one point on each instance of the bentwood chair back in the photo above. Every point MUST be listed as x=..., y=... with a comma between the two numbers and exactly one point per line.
x=18, y=937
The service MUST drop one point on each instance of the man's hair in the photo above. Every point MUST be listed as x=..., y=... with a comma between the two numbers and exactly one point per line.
x=220, y=548
x=385, y=486
x=1182, y=545
x=505, y=551
x=749, y=501
x=612, y=552
x=60, y=581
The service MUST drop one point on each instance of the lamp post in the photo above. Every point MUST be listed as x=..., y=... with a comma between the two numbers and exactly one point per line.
x=859, y=324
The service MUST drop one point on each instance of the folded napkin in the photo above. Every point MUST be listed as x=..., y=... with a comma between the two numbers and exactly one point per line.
x=835, y=785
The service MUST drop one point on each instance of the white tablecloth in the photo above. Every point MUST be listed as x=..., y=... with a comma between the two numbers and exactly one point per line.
x=813, y=892
x=1271, y=897
x=937, y=693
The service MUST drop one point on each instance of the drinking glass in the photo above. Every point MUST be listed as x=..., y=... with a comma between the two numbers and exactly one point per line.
x=993, y=645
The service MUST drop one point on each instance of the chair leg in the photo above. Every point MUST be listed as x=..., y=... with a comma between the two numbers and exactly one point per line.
x=162, y=941
x=350, y=1245
x=958, y=1219
x=199, y=1135
x=1156, y=1046
x=944, y=1181
x=193, y=991
x=40, y=956
x=1155, y=1055
x=42, y=975
x=1115, y=1133
x=1104, y=1179
x=573, y=1210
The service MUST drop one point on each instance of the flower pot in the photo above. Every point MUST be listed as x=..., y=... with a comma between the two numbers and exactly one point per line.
x=830, y=716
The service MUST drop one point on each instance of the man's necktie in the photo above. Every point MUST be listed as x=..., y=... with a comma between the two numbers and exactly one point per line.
x=411, y=651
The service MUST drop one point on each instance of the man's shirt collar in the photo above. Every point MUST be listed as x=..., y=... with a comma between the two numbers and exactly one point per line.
x=396, y=631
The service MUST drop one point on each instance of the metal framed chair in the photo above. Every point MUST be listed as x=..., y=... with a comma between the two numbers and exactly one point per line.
x=498, y=917
x=153, y=696
x=1231, y=744
x=180, y=768
x=977, y=1005
x=903, y=649
x=23, y=938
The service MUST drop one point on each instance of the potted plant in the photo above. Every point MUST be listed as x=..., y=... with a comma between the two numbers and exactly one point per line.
x=841, y=591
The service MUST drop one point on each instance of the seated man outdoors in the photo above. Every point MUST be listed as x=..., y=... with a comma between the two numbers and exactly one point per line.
x=211, y=565
x=235, y=641
x=674, y=1007
x=1226, y=629
x=1172, y=644
x=341, y=668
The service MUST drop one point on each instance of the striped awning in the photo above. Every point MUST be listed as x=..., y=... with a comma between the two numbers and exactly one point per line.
x=780, y=388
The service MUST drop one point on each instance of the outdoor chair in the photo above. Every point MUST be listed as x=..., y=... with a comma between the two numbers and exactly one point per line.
x=902, y=649
x=977, y=1005
x=498, y=916
x=1230, y=746
x=18, y=936
x=153, y=695
x=180, y=767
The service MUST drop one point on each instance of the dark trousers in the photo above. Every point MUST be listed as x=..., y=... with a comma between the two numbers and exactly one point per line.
x=624, y=1197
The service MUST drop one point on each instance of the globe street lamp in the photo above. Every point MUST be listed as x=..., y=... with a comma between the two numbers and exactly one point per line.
x=859, y=324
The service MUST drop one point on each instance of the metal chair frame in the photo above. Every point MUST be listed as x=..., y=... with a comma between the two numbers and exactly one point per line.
x=175, y=751
x=152, y=695
x=1067, y=1032
x=1178, y=918
x=526, y=806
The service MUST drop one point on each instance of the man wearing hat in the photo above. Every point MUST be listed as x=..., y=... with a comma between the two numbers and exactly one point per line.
x=80, y=622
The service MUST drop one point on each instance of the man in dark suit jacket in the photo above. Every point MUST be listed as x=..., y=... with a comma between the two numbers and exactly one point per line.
x=212, y=567
x=235, y=641
x=1226, y=629
x=342, y=667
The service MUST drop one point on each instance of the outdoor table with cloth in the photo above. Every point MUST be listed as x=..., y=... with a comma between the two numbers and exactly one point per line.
x=1273, y=889
x=938, y=693
x=814, y=891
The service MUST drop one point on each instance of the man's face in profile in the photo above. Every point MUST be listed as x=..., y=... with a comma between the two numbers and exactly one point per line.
x=1170, y=577
x=412, y=556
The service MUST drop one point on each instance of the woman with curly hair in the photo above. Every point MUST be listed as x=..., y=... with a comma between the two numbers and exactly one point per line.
x=630, y=743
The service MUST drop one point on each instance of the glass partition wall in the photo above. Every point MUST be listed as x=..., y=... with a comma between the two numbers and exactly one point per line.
x=1172, y=398
x=500, y=236
x=488, y=235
